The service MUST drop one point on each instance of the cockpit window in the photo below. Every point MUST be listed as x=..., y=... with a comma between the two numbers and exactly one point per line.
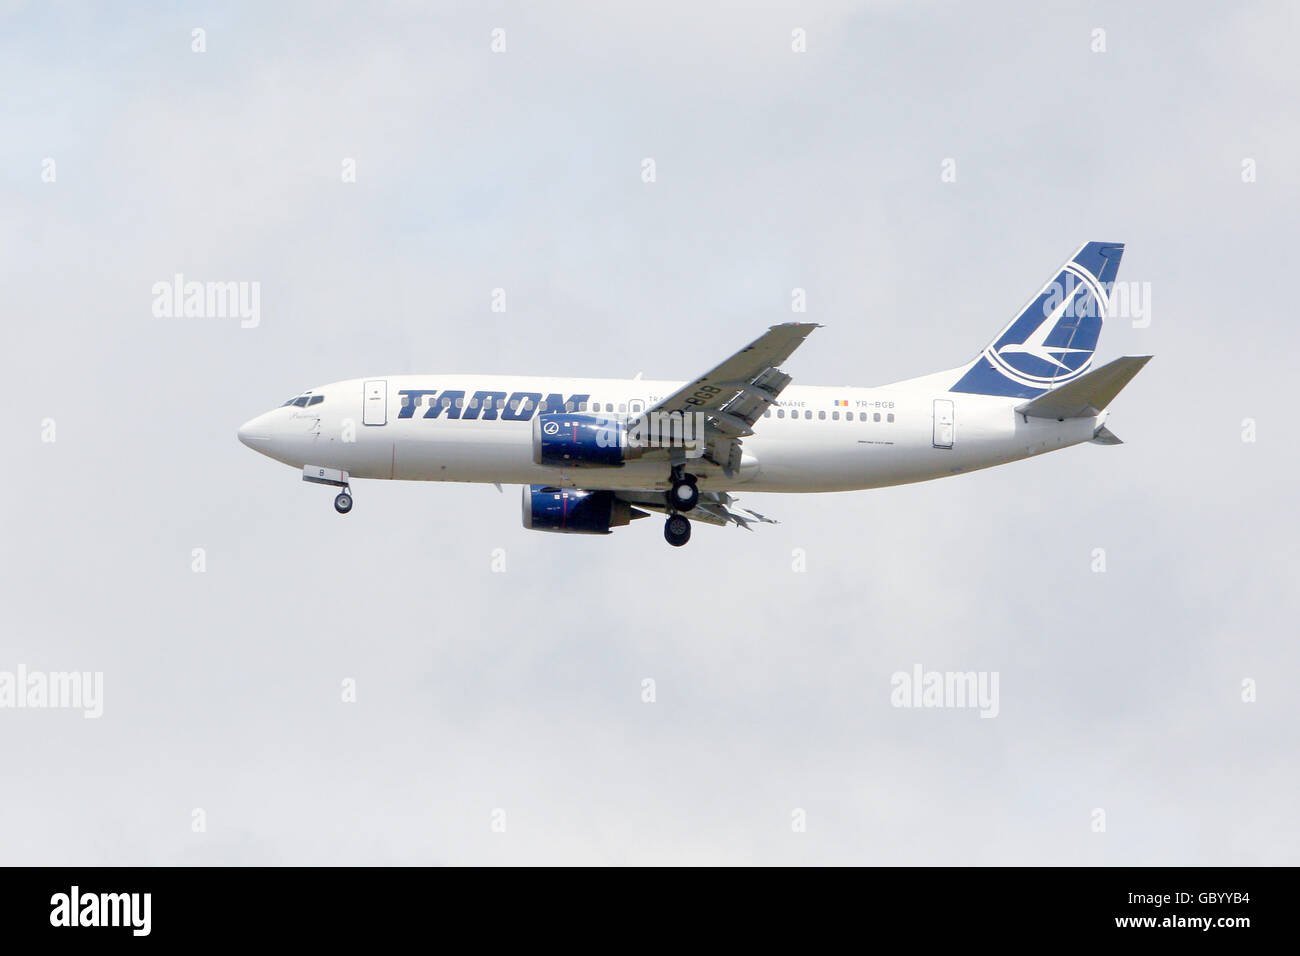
x=302, y=401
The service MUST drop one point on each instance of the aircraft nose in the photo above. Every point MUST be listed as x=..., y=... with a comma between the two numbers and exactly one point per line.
x=254, y=432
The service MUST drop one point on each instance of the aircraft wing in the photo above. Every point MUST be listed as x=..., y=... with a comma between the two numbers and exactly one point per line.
x=735, y=394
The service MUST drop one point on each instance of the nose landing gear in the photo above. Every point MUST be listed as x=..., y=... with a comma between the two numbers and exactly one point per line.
x=320, y=475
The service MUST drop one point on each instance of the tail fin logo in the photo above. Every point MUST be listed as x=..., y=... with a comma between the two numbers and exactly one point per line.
x=1052, y=341
x=1036, y=345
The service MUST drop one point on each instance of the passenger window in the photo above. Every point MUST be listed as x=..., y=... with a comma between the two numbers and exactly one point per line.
x=821, y=416
x=835, y=416
x=622, y=408
x=609, y=406
x=862, y=416
x=473, y=403
x=876, y=417
x=460, y=401
x=568, y=406
x=767, y=413
x=808, y=414
x=780, y=413
x=582, y=407
x=889, y=417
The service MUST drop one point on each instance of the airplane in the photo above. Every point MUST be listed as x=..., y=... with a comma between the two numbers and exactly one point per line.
x=594, y=454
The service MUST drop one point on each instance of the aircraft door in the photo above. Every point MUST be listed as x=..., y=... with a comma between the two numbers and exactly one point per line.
x=374, y=411
x=943, y=423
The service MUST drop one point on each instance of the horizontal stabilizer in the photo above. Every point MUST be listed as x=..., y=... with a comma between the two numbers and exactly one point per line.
x=1089, y=395
x=1104, y=436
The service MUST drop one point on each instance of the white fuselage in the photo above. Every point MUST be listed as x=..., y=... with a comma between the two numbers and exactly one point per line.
x=813, y=439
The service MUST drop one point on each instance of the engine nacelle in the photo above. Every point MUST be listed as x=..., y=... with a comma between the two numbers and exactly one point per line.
x=574, y=511
x=577, y=440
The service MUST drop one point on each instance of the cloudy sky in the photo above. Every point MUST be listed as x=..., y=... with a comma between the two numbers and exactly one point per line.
x=516, y=697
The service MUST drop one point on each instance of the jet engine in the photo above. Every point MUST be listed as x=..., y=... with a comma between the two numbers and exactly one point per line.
x=563, y=438
x=574, y=511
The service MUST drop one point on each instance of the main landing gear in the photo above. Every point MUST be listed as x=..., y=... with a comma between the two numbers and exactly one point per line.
x=682, y=496
x=677, y=530
x=343, y=502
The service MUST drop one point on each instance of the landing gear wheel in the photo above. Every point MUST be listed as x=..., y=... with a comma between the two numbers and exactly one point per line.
x=684, y=494
x=677, y=530
x=343, y=503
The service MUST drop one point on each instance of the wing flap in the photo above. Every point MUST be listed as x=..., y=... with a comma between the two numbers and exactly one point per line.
x=715, y=507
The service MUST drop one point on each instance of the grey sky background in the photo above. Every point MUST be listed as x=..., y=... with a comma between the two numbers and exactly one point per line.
x=522, y=691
